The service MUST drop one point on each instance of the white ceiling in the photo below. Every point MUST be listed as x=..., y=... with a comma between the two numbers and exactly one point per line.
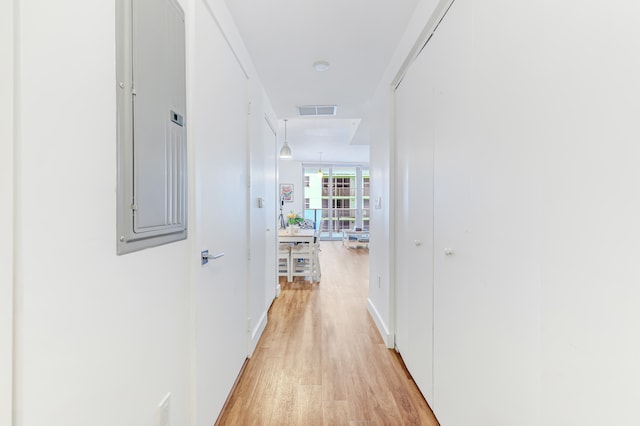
x=357, y=37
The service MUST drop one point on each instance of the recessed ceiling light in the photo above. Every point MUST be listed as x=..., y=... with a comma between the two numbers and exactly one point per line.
x=321, y=66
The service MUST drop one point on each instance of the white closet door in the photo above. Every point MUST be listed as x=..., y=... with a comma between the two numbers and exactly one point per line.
x=219, y=135
x=459, y=313
x=485, y=338
x=414, y=222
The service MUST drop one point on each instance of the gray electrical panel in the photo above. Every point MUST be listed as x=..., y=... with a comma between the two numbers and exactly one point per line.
x=152, y=138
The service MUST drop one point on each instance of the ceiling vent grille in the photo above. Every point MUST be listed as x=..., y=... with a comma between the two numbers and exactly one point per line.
x=317, y=110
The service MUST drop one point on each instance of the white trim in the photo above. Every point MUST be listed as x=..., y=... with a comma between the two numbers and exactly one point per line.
x=9, y=108
x=382, y=327
x=436, y=17
x=391, y=212
x=225, y=35
x=256, y=333
x=270, y=122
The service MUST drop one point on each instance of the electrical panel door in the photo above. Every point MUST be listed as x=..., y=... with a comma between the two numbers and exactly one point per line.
x=152, y=135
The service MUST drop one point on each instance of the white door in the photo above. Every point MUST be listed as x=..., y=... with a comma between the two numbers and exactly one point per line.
x=457, y=308
x=414, y=222
x=485, y=340
x=7, y=232
x=218, y=138
x=262, y=274
x=460, y=91
x=270, y=210
x=433, y=185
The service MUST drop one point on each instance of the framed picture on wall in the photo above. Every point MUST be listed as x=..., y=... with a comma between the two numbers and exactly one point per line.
x=286, y=192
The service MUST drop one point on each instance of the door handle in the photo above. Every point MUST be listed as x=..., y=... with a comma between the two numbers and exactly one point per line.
x=205, y=256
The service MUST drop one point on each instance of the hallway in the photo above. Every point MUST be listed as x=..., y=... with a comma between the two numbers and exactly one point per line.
x=321, y=359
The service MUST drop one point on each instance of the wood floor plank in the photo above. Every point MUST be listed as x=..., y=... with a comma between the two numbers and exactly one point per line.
x=284, y=399
x=336, y=413
x=321, y=360
x=309, y=410
x=258, y=405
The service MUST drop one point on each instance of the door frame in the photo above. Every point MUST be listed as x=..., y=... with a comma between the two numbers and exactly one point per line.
x=8, y=132
x=271, y=182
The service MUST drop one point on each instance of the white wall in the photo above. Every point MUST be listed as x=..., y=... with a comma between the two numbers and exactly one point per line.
x=382, y=154
x=381, y=245
x=6, y=214
x=290, y=171
x=536, y=312
x=589, y=209
x=100, y=338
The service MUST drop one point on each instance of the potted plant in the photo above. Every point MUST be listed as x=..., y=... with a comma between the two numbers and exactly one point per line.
x=294, y=220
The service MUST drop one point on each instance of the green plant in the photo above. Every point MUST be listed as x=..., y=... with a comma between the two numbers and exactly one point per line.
x=294, y=218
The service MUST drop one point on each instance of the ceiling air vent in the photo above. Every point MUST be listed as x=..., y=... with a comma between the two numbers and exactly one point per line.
x=317, y=110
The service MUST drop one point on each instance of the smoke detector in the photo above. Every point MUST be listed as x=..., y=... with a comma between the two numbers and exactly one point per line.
x=321, y=66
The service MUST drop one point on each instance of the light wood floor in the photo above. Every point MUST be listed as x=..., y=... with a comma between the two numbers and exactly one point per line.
x=321, y=360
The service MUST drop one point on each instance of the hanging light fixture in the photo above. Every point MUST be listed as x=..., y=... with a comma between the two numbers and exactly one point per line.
x=320, y=168
x=285, y=151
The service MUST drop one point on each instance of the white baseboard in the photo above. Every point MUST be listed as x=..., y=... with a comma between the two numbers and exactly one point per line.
x=380, y=324
x=257, y=332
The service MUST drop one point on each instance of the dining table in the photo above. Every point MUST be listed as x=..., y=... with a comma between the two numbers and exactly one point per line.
x=299, y=253
x=298, y=236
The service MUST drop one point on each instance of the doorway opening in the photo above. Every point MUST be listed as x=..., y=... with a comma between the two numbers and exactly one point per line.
x=336, y=198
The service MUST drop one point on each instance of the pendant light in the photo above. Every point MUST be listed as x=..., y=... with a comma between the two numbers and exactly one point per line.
x=285, y=151
x=320, y=169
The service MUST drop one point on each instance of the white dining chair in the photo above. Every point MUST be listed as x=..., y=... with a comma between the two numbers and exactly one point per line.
x=284, y=261
x=302, y=261
x=315, y=251
x=305, y=261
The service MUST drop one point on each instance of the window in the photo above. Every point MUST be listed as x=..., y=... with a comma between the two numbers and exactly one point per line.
x=343, y=192
x=341, y=204
x=366, y=196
